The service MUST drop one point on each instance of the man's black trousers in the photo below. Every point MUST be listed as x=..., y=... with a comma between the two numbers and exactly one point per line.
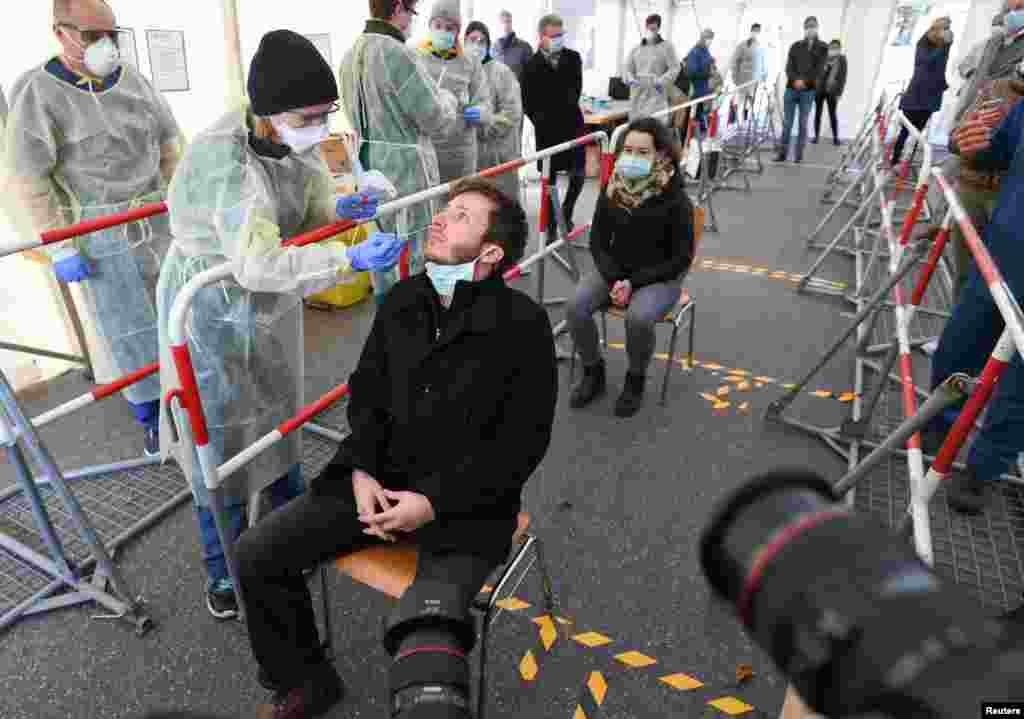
x=309, y=530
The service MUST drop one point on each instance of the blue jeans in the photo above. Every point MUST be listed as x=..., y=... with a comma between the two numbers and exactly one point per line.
x=966, y=344
x=647, y=305
x=793, y=98
x=282, y=491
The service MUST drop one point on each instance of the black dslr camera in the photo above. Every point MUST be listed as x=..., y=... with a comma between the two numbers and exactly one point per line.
x=849, y=613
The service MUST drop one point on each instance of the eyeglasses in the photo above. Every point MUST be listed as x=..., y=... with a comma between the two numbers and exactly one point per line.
x=90, y=37
x=298, y=120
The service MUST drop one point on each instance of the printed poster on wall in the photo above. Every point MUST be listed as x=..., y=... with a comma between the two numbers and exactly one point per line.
x=322, y=41
x=167, y=60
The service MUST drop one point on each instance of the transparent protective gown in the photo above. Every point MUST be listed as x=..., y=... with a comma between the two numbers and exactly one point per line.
x=457, y=145
x=229, y=204
x=391, y=101
x=649, y=64
x=502, y=141
x=96, y=153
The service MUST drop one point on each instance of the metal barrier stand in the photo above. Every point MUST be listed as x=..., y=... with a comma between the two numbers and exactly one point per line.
x=915, y=522
x=151, y=500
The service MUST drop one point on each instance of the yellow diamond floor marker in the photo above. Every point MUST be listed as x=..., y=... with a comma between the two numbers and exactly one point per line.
x=731, y=706
x=847, y=397
x=681, y=681
x=548, y=633
x=722, y=391
x=592, y=639
x=579, y=713
x=713, y=367
x=822, y=393
x=528, y=667
x=635, y=659
x=743, y=386
x=722, y=405
x=598, y=687
x=511, y=603
x=709, y=397
x=765, y=380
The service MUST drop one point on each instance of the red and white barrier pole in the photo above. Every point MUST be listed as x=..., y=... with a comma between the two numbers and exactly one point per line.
x=1001, y=294
x=101, y=392
x=915, y=458
x=514, y=272
x=283, y=430
x=85, y=227
x=933, y=260
x=997, y=363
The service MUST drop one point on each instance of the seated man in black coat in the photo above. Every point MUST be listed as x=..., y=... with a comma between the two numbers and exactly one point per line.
x=451, y=410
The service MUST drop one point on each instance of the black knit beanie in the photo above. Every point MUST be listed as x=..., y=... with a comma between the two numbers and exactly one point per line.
x=288, y=73
x=477, y=26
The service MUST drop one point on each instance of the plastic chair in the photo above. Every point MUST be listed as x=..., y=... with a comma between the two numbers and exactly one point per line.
x=391, y=569
x=685, y=306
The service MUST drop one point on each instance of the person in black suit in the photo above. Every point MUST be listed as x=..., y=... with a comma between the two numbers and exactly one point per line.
x=552, y=85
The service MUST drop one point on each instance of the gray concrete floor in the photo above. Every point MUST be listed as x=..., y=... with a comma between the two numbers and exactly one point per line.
x=618, y=504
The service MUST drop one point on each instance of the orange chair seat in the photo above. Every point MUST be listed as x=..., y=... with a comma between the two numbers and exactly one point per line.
x=391, y=568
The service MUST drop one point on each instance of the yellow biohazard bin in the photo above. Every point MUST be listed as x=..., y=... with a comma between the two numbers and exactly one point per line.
x=356, y=287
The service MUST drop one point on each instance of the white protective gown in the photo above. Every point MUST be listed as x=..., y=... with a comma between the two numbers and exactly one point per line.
x=502, y=141
x=91, y=154
x=230, y=204
x=464, y=78
x=391, y=101
x=648, y=64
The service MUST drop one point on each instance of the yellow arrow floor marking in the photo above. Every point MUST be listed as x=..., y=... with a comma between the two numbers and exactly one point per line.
x=683, y=682
x=598, y=687
x=731, y=706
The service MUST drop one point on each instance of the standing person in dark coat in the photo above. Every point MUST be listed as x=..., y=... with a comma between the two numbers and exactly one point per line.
x=803, y=68
x=642, y=243
x=552, y=86
x=830, y=88
x=924, y=94
x=510, y=49
x=451, y=409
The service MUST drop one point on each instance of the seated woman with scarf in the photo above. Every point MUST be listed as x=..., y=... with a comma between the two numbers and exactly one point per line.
x=642, y=241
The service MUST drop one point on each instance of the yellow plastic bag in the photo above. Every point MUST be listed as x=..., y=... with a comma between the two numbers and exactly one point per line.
x=356, y=287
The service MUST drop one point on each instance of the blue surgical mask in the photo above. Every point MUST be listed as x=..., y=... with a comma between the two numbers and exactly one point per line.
x=632, y=167
x=556, y=44
x=1014, y=21
x=442, y=40
x=444, y=277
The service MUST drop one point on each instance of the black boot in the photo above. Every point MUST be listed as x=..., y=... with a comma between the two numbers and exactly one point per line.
x=632, y=397
x=780, y=156
x=815, y=140
x=590, y=387
x=967, y=494
x=321, y=690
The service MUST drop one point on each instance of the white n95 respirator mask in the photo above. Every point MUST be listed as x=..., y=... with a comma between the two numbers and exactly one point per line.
x=302, y=139
x=102, y=58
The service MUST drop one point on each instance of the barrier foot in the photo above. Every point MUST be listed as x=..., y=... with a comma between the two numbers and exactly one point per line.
x=945, y=395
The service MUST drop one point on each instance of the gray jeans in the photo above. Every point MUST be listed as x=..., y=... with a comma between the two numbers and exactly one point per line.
x=647, y=305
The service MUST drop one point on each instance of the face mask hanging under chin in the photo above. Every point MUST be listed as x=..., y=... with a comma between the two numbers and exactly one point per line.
x=444, y=277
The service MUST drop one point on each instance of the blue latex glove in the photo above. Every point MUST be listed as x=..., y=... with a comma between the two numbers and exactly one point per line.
x=359, y=206
x=378, y=252
x=472, y=115
x=72, y=269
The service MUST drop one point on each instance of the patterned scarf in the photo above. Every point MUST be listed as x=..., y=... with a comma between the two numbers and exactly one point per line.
x=631, y=193
x=426, y=48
